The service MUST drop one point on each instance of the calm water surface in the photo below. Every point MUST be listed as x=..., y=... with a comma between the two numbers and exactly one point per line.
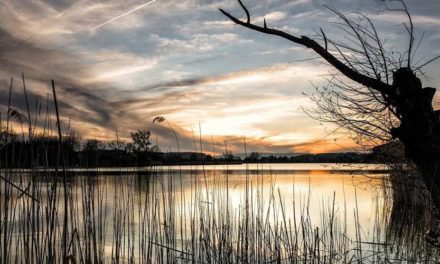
x=128, y=205
x=353, y=192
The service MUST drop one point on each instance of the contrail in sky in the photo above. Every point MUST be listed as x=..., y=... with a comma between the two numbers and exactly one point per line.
x=122, y=15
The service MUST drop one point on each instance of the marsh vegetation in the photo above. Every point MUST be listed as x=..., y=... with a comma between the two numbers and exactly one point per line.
x=280, y=213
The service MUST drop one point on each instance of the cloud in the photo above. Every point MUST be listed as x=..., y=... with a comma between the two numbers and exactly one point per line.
x=418, y=20
x=218, y=23
x=281, y=72
x=270, y=17
x=76, y=99
x=191, y=65
x=198, y=42
x=111, y=65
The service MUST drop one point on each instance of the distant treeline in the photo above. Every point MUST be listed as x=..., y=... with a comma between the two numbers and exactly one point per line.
x=18, y=151
x=345, y=157
x=42, y=151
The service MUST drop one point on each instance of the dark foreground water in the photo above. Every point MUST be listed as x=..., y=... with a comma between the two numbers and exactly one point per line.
x=210, y=214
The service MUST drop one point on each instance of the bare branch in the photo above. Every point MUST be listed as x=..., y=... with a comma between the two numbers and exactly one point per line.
x=428, y=62
x=325, y=54
x=361, y=39
x=409, y=29
x=248, y=16
x=325, y=39
x=410, y=32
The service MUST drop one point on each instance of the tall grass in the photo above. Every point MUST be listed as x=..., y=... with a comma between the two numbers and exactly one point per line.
x=142, y=218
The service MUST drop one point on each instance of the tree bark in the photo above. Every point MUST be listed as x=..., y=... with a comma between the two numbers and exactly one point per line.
x=419, y=130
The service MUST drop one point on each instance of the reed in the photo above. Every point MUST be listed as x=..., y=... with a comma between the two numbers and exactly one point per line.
x=143, y=219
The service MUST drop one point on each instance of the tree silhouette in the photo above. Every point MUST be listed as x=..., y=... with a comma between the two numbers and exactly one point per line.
x=376, y=93
x=141, y=140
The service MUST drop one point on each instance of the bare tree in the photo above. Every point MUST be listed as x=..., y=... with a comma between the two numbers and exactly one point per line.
x=375, y=93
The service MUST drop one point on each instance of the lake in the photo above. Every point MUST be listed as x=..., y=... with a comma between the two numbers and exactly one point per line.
x=217, y=213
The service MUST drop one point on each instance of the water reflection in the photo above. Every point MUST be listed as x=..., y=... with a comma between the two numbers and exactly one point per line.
x=171, y=213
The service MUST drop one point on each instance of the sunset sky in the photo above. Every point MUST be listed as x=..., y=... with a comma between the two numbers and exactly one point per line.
x=119, y=64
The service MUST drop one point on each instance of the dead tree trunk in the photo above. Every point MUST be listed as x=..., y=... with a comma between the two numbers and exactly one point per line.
x=419, y=129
